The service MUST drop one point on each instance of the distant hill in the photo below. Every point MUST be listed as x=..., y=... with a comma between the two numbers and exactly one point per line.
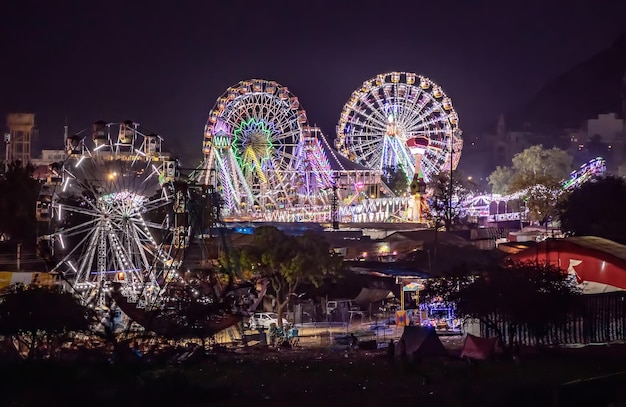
x=594, y=86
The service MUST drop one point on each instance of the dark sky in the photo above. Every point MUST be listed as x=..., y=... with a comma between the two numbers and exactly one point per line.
x=164, y=63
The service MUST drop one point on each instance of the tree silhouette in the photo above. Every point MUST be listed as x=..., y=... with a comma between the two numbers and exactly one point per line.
x=445, y=205
x=509, y=298
x=287, y=262
x=18, y=199
x=37, y=316
x=396, y=180
x=596, y=208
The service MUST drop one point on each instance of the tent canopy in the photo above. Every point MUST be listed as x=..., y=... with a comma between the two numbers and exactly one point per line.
x=478, y=348
x=370, y=295
x=420, y=341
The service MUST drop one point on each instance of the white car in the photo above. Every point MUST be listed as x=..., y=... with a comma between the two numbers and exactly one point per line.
x=263, y=320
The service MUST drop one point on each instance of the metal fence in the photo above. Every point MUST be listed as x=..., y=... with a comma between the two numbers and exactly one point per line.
x=603, y=319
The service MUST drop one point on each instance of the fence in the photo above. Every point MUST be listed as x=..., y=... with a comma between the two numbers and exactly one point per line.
x=603, y=319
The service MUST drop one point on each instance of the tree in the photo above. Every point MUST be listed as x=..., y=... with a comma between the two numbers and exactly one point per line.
x=445, y=205
x=533, y=166
x=596, y=208
x=396, y=180
x=37, y=316
x=18, y=199
x=510, y=298
x=541, y=200
x=537, y=161
x=500, y=180
x=287, y=262
x=539, y=173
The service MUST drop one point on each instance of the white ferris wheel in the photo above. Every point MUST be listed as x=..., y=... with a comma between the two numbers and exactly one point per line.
x=403, y=121
x=108, y=214
x=250, y=145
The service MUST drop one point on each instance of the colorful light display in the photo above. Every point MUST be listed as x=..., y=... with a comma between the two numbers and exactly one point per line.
x=388, y=113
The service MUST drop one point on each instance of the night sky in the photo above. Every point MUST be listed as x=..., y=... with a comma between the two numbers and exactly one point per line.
x=164, y=63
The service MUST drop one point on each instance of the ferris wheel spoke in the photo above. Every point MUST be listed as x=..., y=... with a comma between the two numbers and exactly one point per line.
x=77, y=229
x=82, y=211
x=427, y=123
x=411, y=106
x=86, y=261
x=121, y=260
x=67, y=257
x=380, y=105
x=376, y=118
x=418, y=120
x=402, y=106
x=142, y=250
x=367, y=140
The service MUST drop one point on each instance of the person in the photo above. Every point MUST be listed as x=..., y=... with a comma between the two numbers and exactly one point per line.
x=391, y=352
x=354, y=342
x=273, y=333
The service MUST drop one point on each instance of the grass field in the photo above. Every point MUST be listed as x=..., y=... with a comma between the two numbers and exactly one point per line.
x=317, y=377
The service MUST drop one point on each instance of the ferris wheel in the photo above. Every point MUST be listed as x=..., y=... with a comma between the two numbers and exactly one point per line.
x=400, y=120
x=108, y=214
x=250, y=144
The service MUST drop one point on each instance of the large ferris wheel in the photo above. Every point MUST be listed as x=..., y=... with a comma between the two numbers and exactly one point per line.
x=104, y=213
x=400, y=120
x=250, y=145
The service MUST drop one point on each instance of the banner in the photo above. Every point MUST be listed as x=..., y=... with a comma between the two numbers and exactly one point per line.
x=401, y=318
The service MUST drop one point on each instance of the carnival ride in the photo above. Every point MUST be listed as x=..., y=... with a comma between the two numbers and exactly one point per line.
x=400, y=120
x=100, y=213
x=510, y=207
x=118, y=223
x=270, y=165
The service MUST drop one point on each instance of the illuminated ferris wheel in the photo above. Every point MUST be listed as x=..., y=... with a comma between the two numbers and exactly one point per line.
x=107, y=210
x=250, y=145
x=400, y=120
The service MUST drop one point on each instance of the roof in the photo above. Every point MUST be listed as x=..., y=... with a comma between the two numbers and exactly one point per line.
x=337, y=161
x=596, y=246
x=597, y=262
x=428, y=235
x=384, y=269
x=600, y=244
x=370, y=295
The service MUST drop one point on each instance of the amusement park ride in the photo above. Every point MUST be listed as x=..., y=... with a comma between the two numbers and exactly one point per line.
x=118, y=223
x=272, y=166
x=117, y=218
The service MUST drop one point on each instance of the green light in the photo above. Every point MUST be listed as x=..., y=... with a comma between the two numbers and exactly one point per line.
x=251, y=143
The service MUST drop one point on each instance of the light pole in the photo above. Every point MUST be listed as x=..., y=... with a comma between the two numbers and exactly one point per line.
x=451, y=186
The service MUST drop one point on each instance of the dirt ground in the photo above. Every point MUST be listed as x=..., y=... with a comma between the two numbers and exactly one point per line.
x=332, y=376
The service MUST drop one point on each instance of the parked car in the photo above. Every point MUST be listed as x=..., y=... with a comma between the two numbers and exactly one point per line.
x=263, y=320
x=333, y=305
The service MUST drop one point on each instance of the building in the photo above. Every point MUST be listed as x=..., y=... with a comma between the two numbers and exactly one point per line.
x=48, y=157
x=21, y=131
